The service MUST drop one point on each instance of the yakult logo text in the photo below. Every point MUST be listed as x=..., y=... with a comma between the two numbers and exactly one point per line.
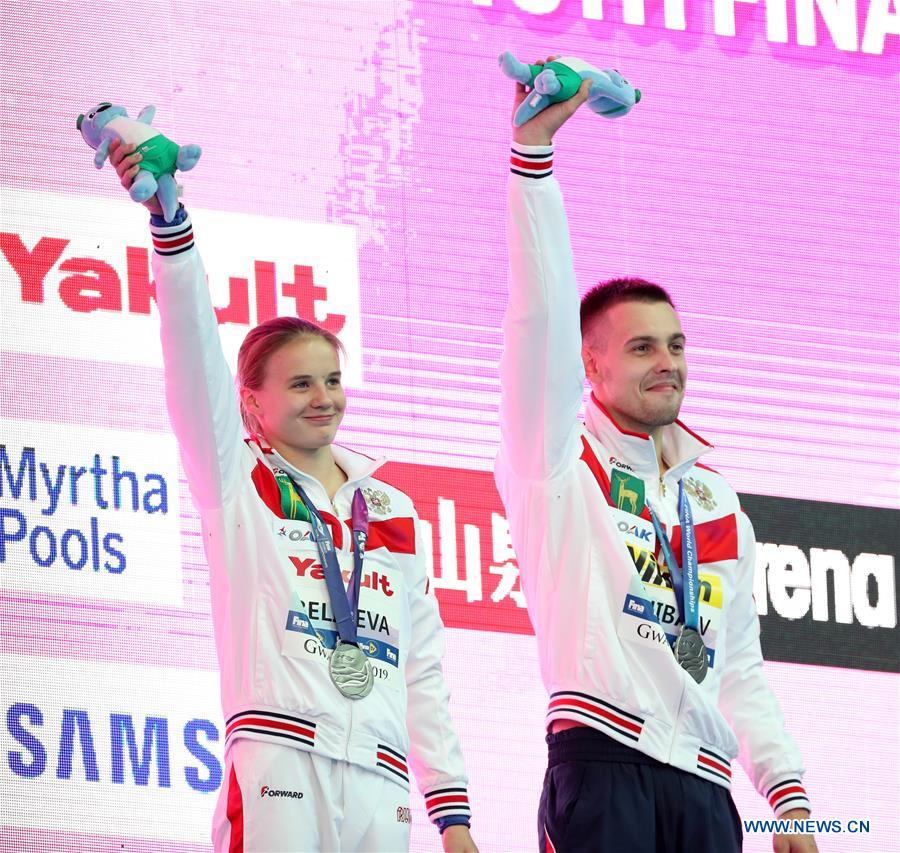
x=123, y=283
x=78, y=281
x=375, y=581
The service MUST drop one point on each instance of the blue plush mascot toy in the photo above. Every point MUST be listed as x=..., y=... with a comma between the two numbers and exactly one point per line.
x=611, y=95
x=161, y=156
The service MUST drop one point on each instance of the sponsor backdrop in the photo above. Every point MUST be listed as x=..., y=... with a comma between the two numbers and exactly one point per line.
x=353, y=171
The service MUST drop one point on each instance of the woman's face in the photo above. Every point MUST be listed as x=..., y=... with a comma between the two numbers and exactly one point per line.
x=301, y=401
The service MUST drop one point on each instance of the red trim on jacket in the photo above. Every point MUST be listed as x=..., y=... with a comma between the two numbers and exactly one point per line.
x=431, y=802
x=691, y=432
x=381, y=755
x=716, y=540
x=595, y=709
x=784, y=792
x=163, y=242
x=590, y=459
x=398, y=535
x=267, y=488
x=717, y=765
x=705, y=467
x=337, y=529
x=268, y=723
x=533, y=165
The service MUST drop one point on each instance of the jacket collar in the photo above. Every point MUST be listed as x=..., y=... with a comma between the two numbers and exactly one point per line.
x=357, y=466
x=681, y=446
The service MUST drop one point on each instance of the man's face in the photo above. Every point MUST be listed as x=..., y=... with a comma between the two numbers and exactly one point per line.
x=634, y=359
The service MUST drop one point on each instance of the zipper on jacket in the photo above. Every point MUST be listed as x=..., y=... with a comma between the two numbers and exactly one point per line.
x=676, y=725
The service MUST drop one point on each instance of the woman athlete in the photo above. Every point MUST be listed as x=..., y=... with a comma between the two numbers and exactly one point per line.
x=329, y=647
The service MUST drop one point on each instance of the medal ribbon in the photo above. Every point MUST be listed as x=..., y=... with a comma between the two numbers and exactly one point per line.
x=291, y=505
x=344, y=602
x=687, y=585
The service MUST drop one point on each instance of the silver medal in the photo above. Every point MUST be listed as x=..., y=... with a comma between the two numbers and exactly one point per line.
x=691, y=654
x=351, y=671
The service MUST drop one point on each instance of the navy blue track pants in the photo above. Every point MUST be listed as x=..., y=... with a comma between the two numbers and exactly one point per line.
x=601, y=796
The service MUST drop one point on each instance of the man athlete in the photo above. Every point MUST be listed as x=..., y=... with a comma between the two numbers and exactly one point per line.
x=636, y=559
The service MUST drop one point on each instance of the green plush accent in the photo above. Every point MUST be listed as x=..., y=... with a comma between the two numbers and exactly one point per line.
x=159, y=155
x=637, y=96
x=570, y=80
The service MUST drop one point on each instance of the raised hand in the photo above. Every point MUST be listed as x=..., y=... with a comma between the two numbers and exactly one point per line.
x=127, y=164
x=540, y=129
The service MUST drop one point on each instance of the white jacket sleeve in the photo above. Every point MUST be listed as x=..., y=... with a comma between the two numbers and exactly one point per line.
x=768, y=753
x=541, y=372
x=434, y=753
x=200, y=392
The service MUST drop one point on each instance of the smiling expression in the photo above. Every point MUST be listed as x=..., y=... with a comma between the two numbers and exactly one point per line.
x=301, y=402
x=634, y=359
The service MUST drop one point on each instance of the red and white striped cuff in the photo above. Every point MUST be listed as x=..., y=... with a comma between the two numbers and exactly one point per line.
x=169, y=240
x=531, y=161
x=446, y=801
x=786, y=795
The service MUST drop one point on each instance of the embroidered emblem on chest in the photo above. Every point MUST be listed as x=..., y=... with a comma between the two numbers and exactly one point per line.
x=377, y=501
x=700, y=492
x=627, y=492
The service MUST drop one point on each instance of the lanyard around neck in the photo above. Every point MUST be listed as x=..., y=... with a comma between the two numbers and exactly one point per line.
x=686, y=578
x=344, y=602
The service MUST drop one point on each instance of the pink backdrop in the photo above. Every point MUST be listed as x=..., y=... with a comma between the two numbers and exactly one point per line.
x=758, y=179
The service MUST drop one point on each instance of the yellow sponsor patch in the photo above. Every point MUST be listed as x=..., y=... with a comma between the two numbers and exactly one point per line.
x=653, y=575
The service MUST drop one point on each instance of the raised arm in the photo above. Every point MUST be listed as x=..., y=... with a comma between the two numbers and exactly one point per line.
x=541, y=373
x=200, y=391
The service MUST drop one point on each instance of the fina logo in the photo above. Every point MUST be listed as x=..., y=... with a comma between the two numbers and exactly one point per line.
x=635, y=606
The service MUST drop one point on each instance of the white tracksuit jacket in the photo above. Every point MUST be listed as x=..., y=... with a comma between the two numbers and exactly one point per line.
x=274, y=676
x=603, y=612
